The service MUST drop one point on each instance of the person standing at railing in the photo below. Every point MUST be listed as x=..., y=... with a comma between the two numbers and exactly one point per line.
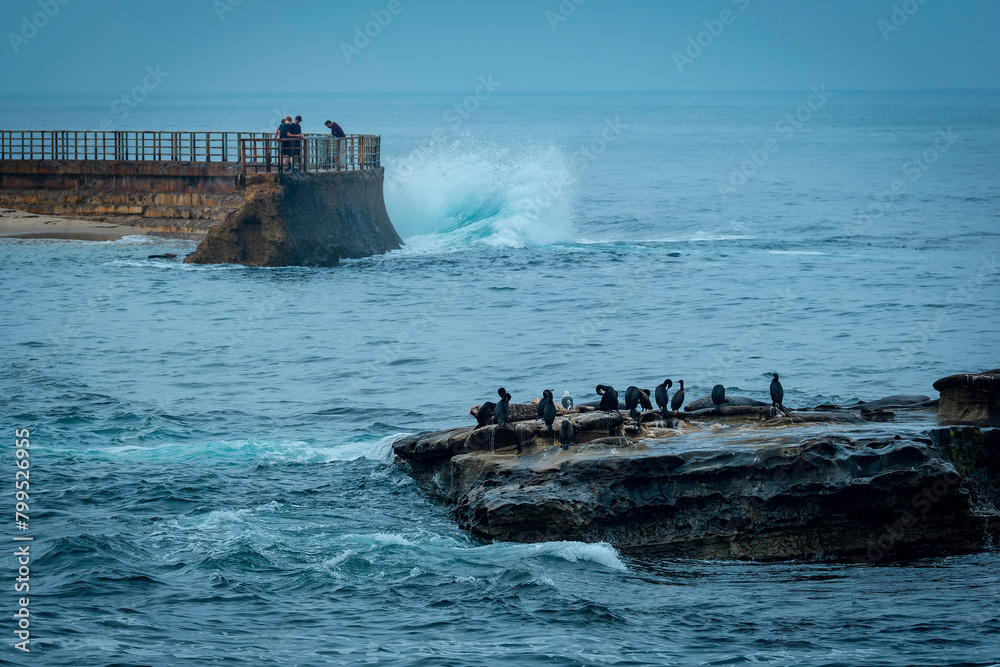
x=341, y=138
x=281, y=134
x=295, y=146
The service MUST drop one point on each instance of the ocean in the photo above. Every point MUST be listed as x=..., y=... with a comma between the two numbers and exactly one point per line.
x=211, y=470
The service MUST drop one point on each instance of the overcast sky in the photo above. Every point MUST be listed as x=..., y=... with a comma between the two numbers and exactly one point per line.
x=304, y=46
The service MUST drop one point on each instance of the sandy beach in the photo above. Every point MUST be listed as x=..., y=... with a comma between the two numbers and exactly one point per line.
x=22, y=225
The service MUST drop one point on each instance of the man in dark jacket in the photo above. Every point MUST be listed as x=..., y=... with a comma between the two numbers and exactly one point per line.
x=341, y=143
x=295, y=147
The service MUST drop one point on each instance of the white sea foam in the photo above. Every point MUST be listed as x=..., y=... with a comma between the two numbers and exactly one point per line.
x=796, y=252
x=381, y=451
x=379, y=539
x=446, y=196
x=601, y=553
x=251, y=449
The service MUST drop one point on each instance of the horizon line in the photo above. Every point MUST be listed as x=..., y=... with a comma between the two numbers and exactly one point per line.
x=509, y=92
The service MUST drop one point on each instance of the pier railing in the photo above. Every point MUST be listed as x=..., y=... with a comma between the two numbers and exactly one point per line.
x=316, y=152
x=256, y=151
x=124, y=145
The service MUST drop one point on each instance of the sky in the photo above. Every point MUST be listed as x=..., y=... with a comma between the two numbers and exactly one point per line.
x=320, y=46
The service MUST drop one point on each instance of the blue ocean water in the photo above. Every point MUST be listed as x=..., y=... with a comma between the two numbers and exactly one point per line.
x=212, y=477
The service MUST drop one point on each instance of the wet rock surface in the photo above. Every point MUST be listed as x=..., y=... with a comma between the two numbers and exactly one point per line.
x=742, y=485
x=970, y=398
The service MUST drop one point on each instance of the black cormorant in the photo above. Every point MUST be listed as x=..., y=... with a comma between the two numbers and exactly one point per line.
x=565, y=434
x=678, y=400
x=777, y=392
x=485, y=414
x=502, y=409
x=661, y=395
x=547, y=409
x=609, y=397
x=632, y=401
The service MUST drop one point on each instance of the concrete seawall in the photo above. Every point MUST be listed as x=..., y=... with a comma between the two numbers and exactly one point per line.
x=187, y=197
x=312, y=219
x=224, y=187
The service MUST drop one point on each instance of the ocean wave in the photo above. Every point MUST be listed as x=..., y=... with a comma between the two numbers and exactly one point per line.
x=256, y=451
x=375, y=540
x=447, y=196
x=695, y=237
x=382, y=451
x=600, y=553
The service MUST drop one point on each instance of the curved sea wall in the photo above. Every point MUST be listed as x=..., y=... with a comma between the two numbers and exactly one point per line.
x=312, y=219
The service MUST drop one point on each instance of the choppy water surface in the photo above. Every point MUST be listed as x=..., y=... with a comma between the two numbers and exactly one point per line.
x=212, y=476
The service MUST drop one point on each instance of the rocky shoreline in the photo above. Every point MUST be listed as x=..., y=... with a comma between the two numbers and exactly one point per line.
x=870, y=482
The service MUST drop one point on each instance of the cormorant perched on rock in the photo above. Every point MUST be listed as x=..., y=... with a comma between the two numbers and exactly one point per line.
x=566, y=400
x=609, y=397
x=565, y=434
x=632, y=401
x=485, y=414
x=661, y=395
x=547, y=409
x=635, y=397
x=644, y=399
x=777, y=393
x=718, y=396
x=678, y=400
x=502, y=409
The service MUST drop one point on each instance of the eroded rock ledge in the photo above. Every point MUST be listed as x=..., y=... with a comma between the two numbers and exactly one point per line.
x=744, y=483
x=970, y=398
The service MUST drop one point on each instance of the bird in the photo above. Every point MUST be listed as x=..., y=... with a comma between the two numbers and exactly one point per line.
x=485, y=414
x=565, y=433
x=719, y=397
x=632, y=400
x=502, y=409
x=661, y=395
x=609, y=397
x=777, y=392
x=644, y=399
x=566, y=400
x=636, y=397
x=547, y=409
x=678, y=400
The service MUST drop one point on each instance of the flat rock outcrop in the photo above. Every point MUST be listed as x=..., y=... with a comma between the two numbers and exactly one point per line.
x=771, y=488
x=313, y=219
x=735, y=401
x=970, y=398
